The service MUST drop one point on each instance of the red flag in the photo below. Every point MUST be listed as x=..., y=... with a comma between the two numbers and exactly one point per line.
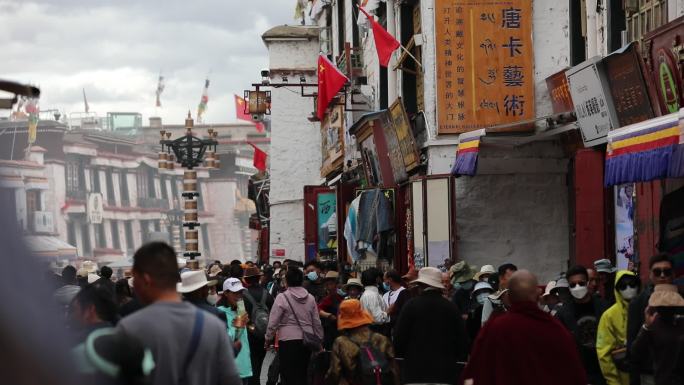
x=385, y=43
x=241, y=115
x=259, y=160
x=330, y=81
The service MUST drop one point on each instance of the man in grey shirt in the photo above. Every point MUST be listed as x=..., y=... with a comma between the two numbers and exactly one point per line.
x=188, y=349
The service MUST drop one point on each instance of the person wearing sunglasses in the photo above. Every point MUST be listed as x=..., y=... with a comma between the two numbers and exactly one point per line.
x=660, y=272
x=580, y=315
x=611, y=337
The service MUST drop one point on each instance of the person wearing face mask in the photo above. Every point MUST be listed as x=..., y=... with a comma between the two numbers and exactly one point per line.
x=581, y=317
x=395, y=297
x=195, y=289
x=611, y=338
x=327, y=308
x=660, y=272
x=258, y=304
x=313, y=280
x=372, y=302
x=480, y=293
x=237, y=319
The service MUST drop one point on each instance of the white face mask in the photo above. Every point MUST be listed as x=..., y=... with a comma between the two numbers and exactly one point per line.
x=212, y=299
x=629, y=293
x=579, y=292
x=481, y=298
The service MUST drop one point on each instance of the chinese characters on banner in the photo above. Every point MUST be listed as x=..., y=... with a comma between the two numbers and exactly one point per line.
x=485, y=63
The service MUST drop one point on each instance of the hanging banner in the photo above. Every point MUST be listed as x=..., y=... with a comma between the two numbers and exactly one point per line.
x=624, y=225
x=485, y=64
x=327, y=222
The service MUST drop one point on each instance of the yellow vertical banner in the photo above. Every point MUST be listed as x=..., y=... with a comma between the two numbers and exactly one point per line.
x=485, y=64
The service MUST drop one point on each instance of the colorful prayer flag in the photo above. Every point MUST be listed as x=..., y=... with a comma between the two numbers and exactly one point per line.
x=160, y=89
x=33, y=111
x=330, y=82
x=385, y=43
x=203, y=101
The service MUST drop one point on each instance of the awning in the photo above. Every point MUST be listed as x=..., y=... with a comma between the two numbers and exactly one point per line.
x=468, y=149
x=652, y=149
x=45, y=246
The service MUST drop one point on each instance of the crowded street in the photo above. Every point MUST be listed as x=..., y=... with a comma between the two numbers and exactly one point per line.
x=342, y=192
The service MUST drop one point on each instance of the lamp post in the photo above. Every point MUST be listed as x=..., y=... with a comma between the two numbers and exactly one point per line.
x=190, y=152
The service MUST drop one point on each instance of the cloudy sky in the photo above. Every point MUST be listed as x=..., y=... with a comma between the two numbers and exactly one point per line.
x=115, y=50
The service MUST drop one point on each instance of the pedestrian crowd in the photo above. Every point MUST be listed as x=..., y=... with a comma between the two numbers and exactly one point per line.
x=452, y=324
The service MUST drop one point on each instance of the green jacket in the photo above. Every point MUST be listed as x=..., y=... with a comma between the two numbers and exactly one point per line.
x=612, y=335
x=243, y=360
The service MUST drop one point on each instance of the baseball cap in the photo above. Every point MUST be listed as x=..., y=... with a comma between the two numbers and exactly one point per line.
x=232, y=284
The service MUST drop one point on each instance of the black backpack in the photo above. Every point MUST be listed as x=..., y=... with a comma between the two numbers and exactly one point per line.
x=372, y=366
x=259, y=316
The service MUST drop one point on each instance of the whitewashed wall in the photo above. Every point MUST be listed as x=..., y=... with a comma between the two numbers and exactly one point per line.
x=295, y=156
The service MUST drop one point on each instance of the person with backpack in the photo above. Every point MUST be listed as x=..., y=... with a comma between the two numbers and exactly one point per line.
x=360, y=356
x=258, y=304
x=294, y=317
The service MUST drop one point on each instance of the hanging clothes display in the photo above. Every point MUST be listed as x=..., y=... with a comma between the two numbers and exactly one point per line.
x=373, y=222
x=350, y=229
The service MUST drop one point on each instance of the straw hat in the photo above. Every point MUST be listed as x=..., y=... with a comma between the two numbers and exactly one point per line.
x=331, y=275
x=430, y=276
x=665, y=295
x=486, y=269
x=351, y=315
x=353, y=282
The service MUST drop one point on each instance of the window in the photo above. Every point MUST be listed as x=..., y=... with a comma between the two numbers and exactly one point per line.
x=71, y=233
x=162, y=185
x=110, y=188
x=100, y=239
x=85, y=236
x=32, y=201
x=341, y=18
x=142, y=182
x=355, y=27
x=643, y=16
x=116, y=243
x=123, y=184
x=151, y=172
x=128, y=227
x=72, y=176
x=145, y=231
x=95, y=181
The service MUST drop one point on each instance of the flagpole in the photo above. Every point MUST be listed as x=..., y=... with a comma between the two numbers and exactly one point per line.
x=412, y=57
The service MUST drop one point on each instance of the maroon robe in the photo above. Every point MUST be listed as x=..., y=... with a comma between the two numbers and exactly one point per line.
x=524, y=346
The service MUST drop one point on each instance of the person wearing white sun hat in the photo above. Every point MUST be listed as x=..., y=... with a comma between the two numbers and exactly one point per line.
x=194, y=288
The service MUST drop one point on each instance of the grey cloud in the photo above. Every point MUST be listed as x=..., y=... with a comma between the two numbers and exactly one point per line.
x=115, y=50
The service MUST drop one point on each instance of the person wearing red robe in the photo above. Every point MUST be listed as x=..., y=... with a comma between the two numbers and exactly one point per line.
x=525, y=345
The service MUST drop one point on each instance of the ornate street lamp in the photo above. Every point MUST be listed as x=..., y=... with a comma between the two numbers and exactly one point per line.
x=189, y=151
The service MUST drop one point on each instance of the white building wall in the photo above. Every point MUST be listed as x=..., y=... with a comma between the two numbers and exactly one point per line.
x=55, y=197
x=295, y=156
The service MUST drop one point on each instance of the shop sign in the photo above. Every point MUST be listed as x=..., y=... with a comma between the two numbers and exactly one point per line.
x=404, y=134
x=589, y=92
x=627, y=86
x=664, y=49
x=393, y=146
x=95, y=208
x=278, y=252
x=485, y=64
x=326, y=210
x=332, y=141
x=559, y=91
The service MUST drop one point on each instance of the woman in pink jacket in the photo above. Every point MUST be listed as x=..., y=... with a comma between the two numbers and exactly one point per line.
x=291, y=306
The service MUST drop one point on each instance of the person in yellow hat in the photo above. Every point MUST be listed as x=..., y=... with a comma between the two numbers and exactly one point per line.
x=358, y=353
